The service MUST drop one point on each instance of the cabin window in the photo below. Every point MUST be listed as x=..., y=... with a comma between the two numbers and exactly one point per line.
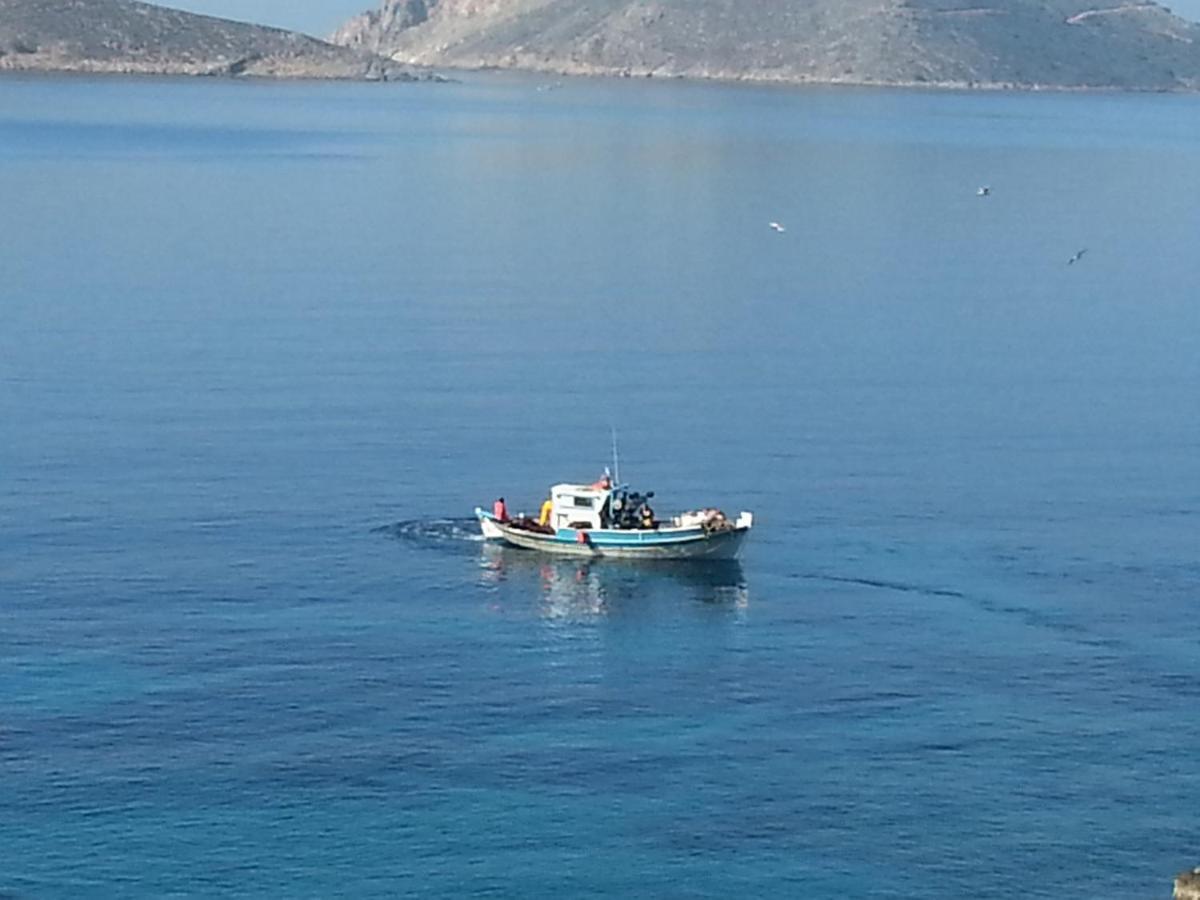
x=583, y=502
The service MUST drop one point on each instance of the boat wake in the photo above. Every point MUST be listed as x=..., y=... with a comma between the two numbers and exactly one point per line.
x=885, y=585
x=434, y=532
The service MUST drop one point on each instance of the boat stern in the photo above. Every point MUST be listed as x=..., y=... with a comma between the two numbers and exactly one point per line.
x=487, y=525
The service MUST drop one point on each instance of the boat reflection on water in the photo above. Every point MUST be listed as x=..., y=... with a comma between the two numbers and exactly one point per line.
x=572, y=588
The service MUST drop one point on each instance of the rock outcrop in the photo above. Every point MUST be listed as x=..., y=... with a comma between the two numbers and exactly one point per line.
x=1187, y=885
x=984, y=43
x=131, y=37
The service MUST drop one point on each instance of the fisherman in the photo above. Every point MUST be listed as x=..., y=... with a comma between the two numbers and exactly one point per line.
x=544, y=515
x=647, y=516
x=500, y=511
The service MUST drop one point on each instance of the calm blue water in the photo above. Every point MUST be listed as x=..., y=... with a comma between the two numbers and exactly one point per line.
x=263, y=347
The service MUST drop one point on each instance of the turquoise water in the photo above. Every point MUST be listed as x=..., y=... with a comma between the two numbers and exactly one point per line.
x=265, y=346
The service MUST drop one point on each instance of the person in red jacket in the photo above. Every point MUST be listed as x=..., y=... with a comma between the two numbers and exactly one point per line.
x=499, y=510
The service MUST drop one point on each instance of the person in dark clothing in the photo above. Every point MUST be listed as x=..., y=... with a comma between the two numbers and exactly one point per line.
x=647, y=516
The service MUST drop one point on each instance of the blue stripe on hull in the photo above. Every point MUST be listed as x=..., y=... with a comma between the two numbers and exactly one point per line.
x=630, y=538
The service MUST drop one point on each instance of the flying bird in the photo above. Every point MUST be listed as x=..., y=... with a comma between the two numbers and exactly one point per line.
x=1077, y=257
x=983, y=191
x=776, y=227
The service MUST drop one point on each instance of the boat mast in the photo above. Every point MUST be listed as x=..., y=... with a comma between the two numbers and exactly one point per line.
x=616, y=460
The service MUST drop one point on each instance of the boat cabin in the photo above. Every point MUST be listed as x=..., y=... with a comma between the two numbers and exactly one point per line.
x=587, y=507
x=579, y=506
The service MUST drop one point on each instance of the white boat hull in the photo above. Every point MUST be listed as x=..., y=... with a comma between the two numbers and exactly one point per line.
x=661, y=543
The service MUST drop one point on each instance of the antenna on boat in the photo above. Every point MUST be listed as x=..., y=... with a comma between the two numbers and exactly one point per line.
x=616, y=460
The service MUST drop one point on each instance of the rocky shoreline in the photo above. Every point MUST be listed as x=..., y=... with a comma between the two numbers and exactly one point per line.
x=125, y=37
x=576, y=70
x=239, y=68
x=1021, y=44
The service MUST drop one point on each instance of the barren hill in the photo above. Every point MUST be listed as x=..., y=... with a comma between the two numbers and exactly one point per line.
x=127, y=36
x=985, y=43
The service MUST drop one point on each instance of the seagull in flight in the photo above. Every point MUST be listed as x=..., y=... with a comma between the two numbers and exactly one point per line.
x=776, y=227
x=983, y=191
x=1077, y=257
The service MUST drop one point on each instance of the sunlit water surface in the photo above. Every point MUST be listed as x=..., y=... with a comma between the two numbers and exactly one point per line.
x=263, y=347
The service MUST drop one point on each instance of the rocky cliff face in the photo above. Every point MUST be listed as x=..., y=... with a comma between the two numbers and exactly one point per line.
x=996, y=43
x=127, y=36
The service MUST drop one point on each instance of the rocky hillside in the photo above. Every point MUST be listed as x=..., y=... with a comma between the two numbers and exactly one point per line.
x=983, y=43
x=126, y=36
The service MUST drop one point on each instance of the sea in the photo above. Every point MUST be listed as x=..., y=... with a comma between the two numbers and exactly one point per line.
x=265, y=346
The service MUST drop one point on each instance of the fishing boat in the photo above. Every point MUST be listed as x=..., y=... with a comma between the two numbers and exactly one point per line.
x=604, y=519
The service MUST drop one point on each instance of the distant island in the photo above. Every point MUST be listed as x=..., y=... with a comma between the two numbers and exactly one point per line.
x=954, y=43
x=123, y=36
